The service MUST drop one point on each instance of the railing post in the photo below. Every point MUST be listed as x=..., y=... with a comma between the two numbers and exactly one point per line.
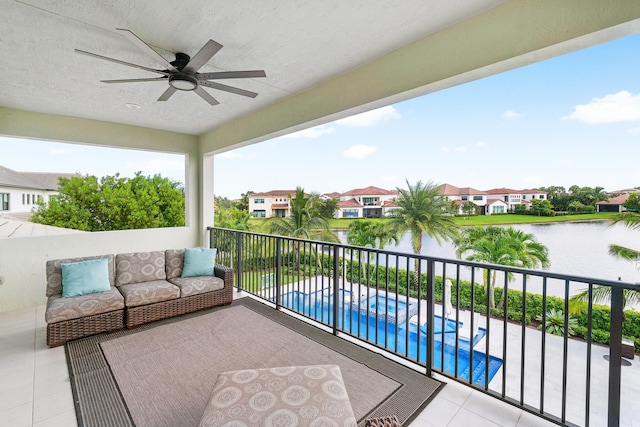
x=336, y=279
x=431, y=320
x=239, y=260
x=615, y=357
x=211, y=242
x=278, y=270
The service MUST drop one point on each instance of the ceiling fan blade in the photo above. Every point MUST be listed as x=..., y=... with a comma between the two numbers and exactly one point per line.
x=167, y=93
x=226, y=88
x=117, y=61
x=151, y=79
x=205, y=95
x=209, y=49
x=231, y=75
x=146, y=48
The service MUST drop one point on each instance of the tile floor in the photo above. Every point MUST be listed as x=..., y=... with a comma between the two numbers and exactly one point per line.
x=35, y=388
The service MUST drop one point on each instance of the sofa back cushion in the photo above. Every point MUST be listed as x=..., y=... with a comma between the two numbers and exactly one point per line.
x=140, y=267
x=54, y=272
x=174, y=259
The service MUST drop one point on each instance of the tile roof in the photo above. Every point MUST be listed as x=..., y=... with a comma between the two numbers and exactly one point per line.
x=504, y=190
x=615, y=200
x=279, y=206
x=351, y=203
x=334, y=195
x=369, y=191
x=33, y=180
x=274, y=193
x=452, y=190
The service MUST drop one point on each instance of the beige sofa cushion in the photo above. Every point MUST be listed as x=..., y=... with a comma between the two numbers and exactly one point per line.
x=197, y=285
x=136, y=294
x=54, y=272
x=60, y=309
x=174, y=260
x=139, y=267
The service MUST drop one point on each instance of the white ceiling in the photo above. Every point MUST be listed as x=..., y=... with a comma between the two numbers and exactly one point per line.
x=298, y=43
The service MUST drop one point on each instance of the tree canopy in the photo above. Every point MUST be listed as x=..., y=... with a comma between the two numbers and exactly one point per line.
x=303, y=223
x=422, y=210
x=114, y=203
x=502, y=246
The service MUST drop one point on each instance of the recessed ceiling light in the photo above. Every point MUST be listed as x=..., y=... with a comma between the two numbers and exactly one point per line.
x=133, y=106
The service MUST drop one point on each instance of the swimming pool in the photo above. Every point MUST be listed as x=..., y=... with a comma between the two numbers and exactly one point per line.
x=405, y=338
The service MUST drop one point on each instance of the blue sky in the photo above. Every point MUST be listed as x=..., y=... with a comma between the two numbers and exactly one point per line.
x=574, y=119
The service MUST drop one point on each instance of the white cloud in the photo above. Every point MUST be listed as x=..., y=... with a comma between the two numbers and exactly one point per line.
x=563, y=162
x=236, y=155
x=359, y=151
x=482, y=143
x=60, y=151
x=511, y=115
x=635, y=131
x=313, y=132
x=444, y=149
x=230, y=155
x=619, y=107
x=370, y=118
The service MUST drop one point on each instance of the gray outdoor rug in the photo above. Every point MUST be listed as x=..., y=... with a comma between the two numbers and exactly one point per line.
x=162, y=374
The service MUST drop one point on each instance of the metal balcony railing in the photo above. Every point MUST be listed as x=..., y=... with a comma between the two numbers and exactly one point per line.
x=433, y=313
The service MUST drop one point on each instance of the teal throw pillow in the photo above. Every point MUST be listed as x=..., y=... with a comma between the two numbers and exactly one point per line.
x=198, y=262
x=85, y=277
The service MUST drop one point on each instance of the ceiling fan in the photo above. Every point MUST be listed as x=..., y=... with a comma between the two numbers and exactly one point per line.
x=182, y=74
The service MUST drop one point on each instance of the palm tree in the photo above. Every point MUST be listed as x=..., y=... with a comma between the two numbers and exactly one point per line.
x=602, y=294
x=422, y=210
x=369, y=234
x=302, y=223
x=501, y=246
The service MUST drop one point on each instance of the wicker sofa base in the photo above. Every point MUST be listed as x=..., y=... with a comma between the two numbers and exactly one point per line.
x=136, y=316
x=61, y=332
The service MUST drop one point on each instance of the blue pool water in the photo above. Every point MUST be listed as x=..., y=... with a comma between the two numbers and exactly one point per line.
x=405, y=338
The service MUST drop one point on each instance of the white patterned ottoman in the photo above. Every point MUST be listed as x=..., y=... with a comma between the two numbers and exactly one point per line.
x=286, y=396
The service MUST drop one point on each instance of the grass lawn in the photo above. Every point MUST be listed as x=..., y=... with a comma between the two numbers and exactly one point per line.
x=343, y=223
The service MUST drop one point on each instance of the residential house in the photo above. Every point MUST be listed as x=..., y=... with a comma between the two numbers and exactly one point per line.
x=515, y=197
x=369, y=202
x=270, y=203
x=614, y=204
x=20, y=192
x=462, y=195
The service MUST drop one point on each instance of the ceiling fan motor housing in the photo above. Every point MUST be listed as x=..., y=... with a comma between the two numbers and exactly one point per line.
x=181, y=61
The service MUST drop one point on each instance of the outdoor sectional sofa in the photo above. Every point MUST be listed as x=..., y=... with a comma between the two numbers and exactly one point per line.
x=142, y=287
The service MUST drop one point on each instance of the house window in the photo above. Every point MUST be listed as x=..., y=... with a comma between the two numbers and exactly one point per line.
x=369, y=201
x=259, y=214
x=497, y=209
x=350, y=213
x=541, y=196
x=477, y=197
x=464, y=198
x=258, y=201
x=4, y=201
x=28, y=199
x=23, y=198
x=524, y=197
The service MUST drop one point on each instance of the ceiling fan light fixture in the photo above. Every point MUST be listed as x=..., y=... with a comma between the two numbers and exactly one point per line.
x=183, y=82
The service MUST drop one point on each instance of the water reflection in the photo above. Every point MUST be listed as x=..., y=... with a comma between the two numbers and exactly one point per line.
x=575, y=248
